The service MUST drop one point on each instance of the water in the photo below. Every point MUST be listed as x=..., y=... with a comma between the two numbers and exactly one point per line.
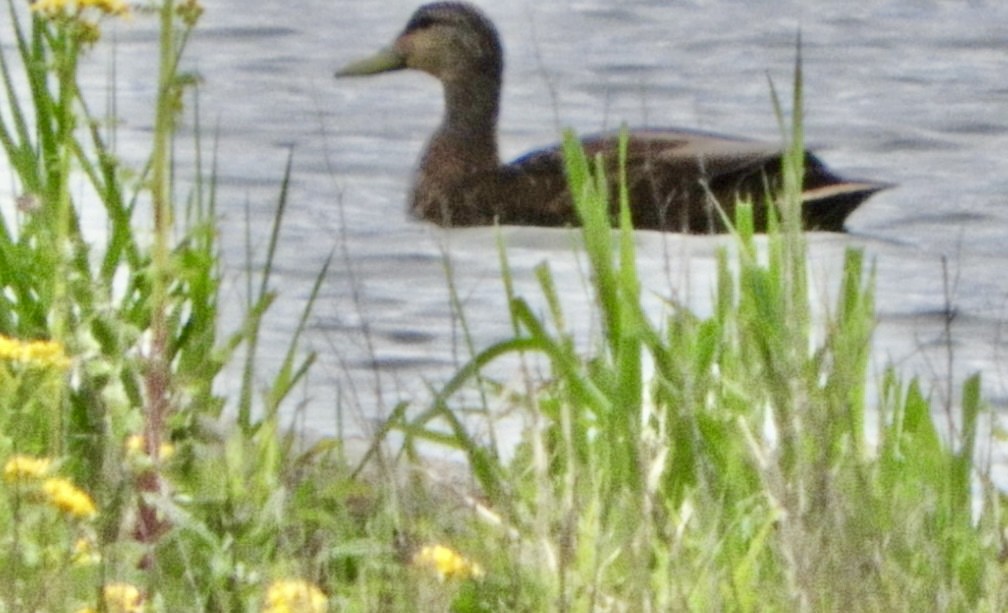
x=895, y=90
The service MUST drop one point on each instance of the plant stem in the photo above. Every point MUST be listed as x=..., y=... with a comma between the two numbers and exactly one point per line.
x=157, y=380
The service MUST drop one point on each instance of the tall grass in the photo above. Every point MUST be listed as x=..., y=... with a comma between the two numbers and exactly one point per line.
x=126, y=487
x=737, y=474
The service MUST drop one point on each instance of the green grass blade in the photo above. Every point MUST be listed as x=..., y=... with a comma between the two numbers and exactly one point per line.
x=254, y=317
x=288, y=377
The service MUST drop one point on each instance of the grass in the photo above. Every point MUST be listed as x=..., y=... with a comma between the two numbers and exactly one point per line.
x=691, y=463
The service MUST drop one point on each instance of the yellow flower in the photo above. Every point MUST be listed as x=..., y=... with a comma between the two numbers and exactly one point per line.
x=36, y=353
x=122, y=598
x=294, y=596
x=135, y=447
x=69, y=498
x=84, y=553
x=447, y=563
x=109, y=7
x=49, y=8
x=25, y=467
x=54, y=8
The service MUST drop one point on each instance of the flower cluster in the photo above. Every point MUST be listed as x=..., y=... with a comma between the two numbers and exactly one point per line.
x=45, y=354
x=85, y=553
x=294, y=596
x=60, y=493
x=122, y=598
x=68, y=498
x=80, y=17
x=136, y=448
x=119, y=598
x=58, y=8
x=21, y=468
x=447, y=563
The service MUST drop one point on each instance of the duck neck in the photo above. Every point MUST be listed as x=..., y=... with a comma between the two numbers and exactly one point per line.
x=466, y=142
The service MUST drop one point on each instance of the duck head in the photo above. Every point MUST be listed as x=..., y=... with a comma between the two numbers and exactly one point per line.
x=452, y=41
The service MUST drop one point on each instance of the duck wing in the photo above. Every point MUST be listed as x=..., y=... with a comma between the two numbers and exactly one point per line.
x=678, y=179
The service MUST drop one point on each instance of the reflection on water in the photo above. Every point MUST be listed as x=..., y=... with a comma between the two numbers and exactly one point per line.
x=895, y=90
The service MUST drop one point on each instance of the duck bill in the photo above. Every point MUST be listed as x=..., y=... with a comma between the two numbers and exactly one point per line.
x=385, y=60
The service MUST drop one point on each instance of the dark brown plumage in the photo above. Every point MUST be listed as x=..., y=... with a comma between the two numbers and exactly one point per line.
x=676, y=179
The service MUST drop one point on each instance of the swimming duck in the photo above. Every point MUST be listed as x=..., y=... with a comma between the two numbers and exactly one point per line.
x=676, y=179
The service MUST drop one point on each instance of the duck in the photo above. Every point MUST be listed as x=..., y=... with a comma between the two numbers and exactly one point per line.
x=677, y=180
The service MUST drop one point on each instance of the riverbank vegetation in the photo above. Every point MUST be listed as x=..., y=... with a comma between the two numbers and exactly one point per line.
x=716, y=462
